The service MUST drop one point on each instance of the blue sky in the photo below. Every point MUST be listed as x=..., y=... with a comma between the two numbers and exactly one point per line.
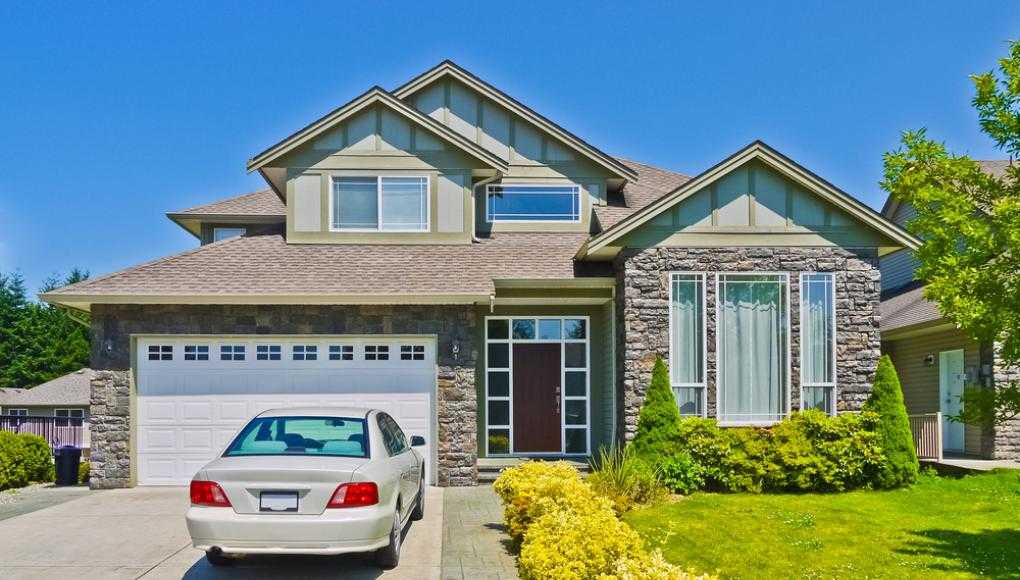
x=113, y=115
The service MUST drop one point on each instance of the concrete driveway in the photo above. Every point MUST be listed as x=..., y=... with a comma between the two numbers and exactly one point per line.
x=140, y=533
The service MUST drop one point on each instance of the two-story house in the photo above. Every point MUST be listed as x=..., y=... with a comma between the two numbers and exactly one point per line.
x=935, y=360
x=498, y=284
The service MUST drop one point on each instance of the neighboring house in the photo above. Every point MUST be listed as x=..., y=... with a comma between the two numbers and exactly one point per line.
x=498, y=284
x=934, y=359
x=65, y=399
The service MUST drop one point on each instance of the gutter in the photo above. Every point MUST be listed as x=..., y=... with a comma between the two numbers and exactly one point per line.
x=474, y=204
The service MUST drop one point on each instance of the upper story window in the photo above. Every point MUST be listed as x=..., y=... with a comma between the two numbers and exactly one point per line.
x=533, y=203
x=377, y=203
x=224, y=233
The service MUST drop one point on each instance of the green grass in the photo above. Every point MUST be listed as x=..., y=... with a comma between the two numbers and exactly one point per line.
x=944, y=527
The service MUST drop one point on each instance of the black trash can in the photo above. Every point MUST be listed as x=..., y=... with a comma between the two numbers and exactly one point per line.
x=67, y=458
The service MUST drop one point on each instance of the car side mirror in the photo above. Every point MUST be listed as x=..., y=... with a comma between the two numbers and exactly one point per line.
x=417, y=441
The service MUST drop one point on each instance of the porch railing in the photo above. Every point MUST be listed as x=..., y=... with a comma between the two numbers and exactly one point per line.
x=57, y=431
x=927, y=430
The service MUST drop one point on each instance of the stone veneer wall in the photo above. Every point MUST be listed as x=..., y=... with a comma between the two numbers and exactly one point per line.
x=1006, y=443
x=113, y=325
x=643, y=315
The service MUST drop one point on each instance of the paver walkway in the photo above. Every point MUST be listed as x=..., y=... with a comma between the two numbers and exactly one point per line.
x=474, y=543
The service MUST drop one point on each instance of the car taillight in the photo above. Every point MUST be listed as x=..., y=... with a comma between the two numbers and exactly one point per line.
x=357, y=494
x=208, y=493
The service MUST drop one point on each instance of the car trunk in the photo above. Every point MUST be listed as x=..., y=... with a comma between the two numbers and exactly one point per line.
x=312, y=479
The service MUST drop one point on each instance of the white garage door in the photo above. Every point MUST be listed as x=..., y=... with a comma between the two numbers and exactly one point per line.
x=194, y=393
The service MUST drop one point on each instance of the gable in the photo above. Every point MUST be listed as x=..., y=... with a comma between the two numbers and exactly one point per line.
x=756, y=197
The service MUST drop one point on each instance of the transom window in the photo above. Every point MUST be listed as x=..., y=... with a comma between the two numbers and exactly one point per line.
x=305, y=352
x=341, y=352
x=412, y=352
x=161, y=352
x=818, y=342
x=196, y=352
x=533, y=203
x=68, y=417
x=267, y=352
x=377, y=352
x=753, y=347
x=687, y=342
x=377, y=203
x=232, y=352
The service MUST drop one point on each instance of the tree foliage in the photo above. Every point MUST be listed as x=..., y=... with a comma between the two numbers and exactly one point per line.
x=968, y=219
x=989, y=407
x=38, y=342
x=894, y=433
x=659, y=421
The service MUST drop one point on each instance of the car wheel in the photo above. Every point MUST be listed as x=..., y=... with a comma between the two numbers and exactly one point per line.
x=419, y=506
x=389, y=556
x=218, y=559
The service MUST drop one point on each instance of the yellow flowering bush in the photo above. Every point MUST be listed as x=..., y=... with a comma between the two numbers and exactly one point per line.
x=650, y=566
x=537, y=487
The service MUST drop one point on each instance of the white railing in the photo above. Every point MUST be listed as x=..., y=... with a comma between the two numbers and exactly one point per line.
x=927, y=430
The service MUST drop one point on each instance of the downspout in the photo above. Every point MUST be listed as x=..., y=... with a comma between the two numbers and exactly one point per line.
x=474, y=204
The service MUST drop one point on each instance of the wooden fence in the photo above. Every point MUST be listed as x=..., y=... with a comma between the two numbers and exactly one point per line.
x=927, y=430
x=56, y=430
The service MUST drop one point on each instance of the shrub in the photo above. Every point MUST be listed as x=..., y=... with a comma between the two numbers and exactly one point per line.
x=536, y=487
x=24, y=458
x=682, y=474
x=624, y=478
x=658, y=421
x=38, y=457
x=893, y=429
x=84, y=472
x=650, y=566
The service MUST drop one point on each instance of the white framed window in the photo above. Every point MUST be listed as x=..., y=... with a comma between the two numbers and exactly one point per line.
x=161, y=352
x=412, y=352
x=196, y=352
x=268, y=352
x=533, y=203
x=341, y=352
x=687, y=343
x=17, y=412
x=752, y=348
x=68, y=417
x=377, y=352
x=380, y=203
x=233, y=352
x=304, y=352
x=818, y=342
x=220, y=234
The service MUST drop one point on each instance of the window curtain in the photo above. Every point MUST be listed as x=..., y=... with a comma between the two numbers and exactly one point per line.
x=752, y=349
x=355, y=203
x=816, y=353
x=404, y=203
x=687, y=346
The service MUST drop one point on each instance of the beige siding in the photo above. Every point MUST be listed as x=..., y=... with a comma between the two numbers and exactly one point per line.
x=920, y=381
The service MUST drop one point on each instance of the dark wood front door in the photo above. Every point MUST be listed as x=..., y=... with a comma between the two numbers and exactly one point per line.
x=537, y=371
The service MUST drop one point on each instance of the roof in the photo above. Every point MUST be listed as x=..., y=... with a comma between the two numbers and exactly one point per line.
x=266, y=269
x=263, y=203
x=653, y=183
x=73, y=389
x=908, y=308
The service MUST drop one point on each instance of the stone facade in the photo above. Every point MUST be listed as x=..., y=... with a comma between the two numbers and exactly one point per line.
x=113, y=326
x=643, y=315
x=1006, y=441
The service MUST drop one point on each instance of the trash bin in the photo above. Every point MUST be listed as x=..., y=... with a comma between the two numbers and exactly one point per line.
x=67, y=458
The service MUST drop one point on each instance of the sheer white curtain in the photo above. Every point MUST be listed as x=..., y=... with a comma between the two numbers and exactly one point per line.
x=687, y=341
x=817, y=341
x=752, y=348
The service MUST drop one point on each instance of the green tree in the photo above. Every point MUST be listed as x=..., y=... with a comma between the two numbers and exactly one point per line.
x=659, y=421
x=894, y=433
x=969, y=221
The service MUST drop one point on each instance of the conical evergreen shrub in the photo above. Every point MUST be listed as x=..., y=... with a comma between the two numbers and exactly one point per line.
x=893, y=428
x=659, y=421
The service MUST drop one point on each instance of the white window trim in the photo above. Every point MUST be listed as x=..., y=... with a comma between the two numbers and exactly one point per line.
x=704, y=338
x=718, y=348
x=577, y=188
x=378, y=229
x=17, y=412
x=564, y=369
x=69, y=417
x=835, y=347
x=243, y=231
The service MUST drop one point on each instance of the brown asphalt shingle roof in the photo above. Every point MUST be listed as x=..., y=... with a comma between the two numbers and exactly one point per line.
x=264, y=202
x=653, y=183
x=907, y=309
x=73, y=389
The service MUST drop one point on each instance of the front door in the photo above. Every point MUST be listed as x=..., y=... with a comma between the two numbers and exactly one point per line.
x=536, y=395
x=951, y=381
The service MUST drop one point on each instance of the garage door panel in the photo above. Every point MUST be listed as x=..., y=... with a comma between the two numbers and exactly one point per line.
x=188, y=411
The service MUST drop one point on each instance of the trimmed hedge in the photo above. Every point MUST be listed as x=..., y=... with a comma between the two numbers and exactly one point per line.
x=24, y=458
x=659, y=415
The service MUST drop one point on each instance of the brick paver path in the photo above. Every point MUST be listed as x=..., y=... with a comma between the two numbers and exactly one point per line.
x=475, y=547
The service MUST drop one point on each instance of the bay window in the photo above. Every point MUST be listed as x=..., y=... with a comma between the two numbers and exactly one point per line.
x=533, y=203
x=377, y=203
x=752, y=347
x=687, y=342
x=818, y=342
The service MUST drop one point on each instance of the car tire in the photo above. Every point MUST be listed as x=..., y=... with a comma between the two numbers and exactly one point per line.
x=218, y=559
x=419, y=506
x=389, y=556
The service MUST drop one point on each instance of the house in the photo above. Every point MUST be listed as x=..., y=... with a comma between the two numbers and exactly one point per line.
x=498, y=284
x=935, y=360
x=65, y=400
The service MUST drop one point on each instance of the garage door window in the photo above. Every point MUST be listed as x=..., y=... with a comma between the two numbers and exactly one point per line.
x=305, y=352
x=377, y=352
x=267, y=352
x=196, y=352
x=341, y=352
x=412, y=352
x=161, y=352
x=232, y=352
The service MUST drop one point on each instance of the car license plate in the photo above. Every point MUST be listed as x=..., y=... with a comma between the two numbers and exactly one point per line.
x=278, y=501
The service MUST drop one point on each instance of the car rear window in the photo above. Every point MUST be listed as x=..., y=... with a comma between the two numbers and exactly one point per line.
x=327, y=436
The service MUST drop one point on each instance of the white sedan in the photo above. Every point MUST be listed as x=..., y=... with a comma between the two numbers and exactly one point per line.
x=309, y=481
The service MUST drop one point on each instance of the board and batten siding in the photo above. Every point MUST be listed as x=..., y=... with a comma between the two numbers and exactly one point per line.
x=920, y=381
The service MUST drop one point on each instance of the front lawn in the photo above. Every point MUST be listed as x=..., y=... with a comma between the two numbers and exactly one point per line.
x=960, y=528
